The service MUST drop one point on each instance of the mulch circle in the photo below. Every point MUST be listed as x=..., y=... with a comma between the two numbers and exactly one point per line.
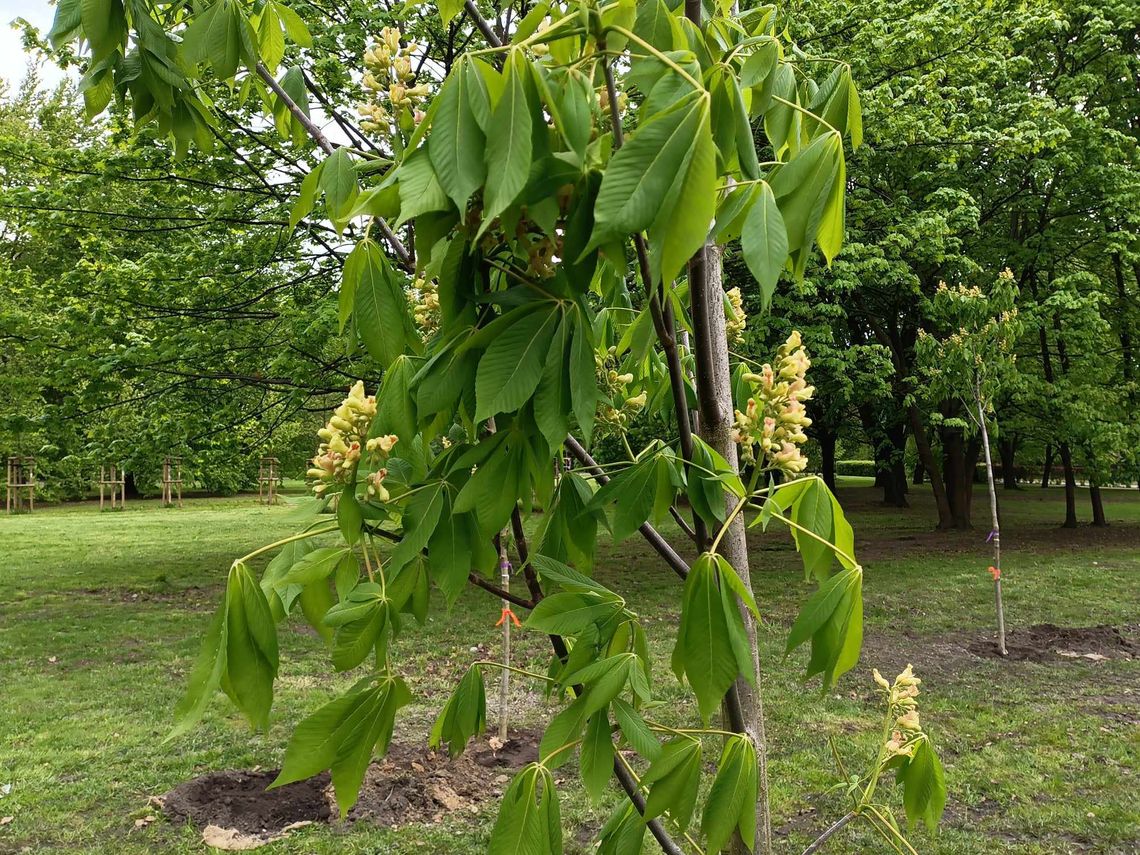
x=410, y=784
x=1046, y=642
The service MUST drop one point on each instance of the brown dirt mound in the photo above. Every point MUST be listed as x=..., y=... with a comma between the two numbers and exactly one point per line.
x=1048, y=642
x=410, y=784
x=239, y=800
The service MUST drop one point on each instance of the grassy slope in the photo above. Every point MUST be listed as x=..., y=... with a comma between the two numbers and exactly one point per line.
x=100, y=616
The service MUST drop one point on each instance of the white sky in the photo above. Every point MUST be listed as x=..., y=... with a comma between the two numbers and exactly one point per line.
x=13, y=60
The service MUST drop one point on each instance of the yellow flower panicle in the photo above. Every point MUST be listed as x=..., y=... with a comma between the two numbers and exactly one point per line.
x=901, y=696
x=774, y=419
x=343, y=442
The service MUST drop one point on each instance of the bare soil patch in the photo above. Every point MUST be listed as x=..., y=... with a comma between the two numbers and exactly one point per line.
x=1046, y=642
x=411, y=784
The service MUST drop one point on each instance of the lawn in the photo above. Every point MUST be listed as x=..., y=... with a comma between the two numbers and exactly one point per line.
x=100, y=616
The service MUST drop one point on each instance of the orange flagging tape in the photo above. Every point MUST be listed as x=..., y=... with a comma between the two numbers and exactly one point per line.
x=995, y=572
x=507, y=613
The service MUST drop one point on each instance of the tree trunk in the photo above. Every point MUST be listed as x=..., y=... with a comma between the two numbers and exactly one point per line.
x=1007, y=448
x=1098, y=517
x=995, y=532
x=959, y=478
x=919, y=476
x=826, y=440
x=1047, y=469
x=1070, y=487
x=714, y=398
x=926, y=455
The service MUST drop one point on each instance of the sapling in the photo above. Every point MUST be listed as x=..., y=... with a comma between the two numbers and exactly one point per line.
x=970, y=357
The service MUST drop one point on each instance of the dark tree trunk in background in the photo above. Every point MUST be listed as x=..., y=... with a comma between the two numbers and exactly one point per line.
x=919, y=476
x=959, y=461
x=895, y=485
x=130, y=488
x=926, y=456
x=826, y=440
x=1047, y=469
x=1070, y=487
x=1007, y=448
x=1095, y=497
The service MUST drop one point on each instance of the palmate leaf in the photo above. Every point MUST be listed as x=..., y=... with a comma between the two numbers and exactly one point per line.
x=511, y=369
x=456, y=142
x=642, y=173
x=623, y=832
x=924, y=786
x=764, y=242
x=342, y=735
x=509, y=144
x=528, y=822
x=673, y=781
x=571, y=613
x=596, y=756
x=379, y=304
x=731, y=803
x=463, y=716
x=682, y=224
x=705, y=651
x=832, y=619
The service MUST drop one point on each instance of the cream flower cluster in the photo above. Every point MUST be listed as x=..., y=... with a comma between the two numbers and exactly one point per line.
x=736, y=320
x=343, y=441
x=615, y=388
x=774, y=418
x=424, y=297
x=907, y=730
x=388, y=80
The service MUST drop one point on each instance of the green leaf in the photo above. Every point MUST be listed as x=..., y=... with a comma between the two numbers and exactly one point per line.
x=924, y=786
x=420, y=190
x=562, y=731
x=764, y=242
x=833, y=619
x=704, y=646
x=315, y=565
x=519, y=828
x=464, y=715
x=379, y=304
x=509, y=144
x=643, y=172
x=623, y=832
x=349, y=516
x=731, y=803
x=420, y=521
x=342, y=735
x=635, y=730
x=634, y=491
x=456, y=141
x=448, y=9
x=251, y=647
x=449, y=553
x=355, y=640
x=583, y=377
x=673, y=780
x=511, y=369
x=294, y=25
x=571, y=613
x=813, y=511
x=338, y=180
x=552, y=401
x=596, y=757
x=206, y=676
x=683, y=223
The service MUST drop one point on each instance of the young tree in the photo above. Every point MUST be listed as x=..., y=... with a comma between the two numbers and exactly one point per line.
x=519, y=194
x=970, y=357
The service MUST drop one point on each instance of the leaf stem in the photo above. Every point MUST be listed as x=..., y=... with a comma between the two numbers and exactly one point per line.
x=633, y=37
x=302, y=536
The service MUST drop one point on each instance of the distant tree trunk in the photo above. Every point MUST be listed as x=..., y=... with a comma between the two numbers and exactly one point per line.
x=1099, y=518
x=926, y=455
x=995, y=531
x=919, y=473
x=1070, y=486
x=826, y=440
x=1047, y=469
x=894, y=471
x=130, y=487
x=1007, y=448
x=957, y=464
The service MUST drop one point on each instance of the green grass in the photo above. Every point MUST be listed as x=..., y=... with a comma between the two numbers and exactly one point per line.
x=100, y=616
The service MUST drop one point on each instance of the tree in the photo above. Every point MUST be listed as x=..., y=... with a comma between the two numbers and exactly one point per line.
x=586, y=149
x=970, y=357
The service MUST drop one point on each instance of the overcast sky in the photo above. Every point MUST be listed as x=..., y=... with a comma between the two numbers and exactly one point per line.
x=13, y=60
